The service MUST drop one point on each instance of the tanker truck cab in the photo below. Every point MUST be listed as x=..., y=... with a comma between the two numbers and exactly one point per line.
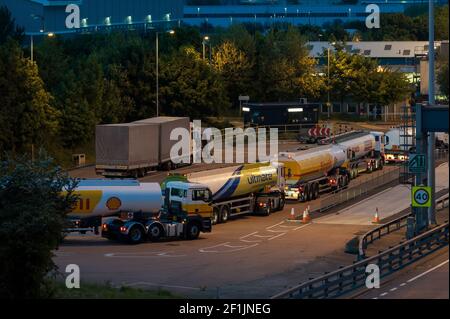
x=184, y=213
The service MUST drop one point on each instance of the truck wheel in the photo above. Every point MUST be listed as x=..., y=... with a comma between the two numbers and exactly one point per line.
x=215, y=216
x=316, y=191
x=224, y=214
x=306, y=193
x=193, y=231
x=135, y=235
x=155, y=232
x=281, y=206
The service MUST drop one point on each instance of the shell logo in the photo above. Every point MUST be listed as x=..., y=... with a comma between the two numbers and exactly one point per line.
x=113, y=203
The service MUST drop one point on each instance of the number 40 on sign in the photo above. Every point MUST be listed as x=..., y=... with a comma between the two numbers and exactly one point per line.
x=421, y=196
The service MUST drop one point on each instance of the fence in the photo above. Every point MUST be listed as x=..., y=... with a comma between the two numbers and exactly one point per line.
x=390, y=227
x=344, y=280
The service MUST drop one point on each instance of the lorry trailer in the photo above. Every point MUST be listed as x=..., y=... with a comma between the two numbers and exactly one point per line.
x=134, y=149
x=250, y=188
x=331, y=167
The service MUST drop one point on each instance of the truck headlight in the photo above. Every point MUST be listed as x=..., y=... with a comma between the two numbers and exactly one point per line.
x=123, y=229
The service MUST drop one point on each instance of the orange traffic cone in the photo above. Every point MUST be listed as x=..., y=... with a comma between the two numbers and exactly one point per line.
x=376, y=218
x=306, y=218
x=292, y=213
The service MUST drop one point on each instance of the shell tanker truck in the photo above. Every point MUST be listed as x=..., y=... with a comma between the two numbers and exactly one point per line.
x=331, y=167
x=250, y=188
x=141, y=211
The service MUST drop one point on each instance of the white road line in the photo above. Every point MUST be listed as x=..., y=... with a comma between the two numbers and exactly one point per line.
x=275, y=225
x=248, y=235
x=276, y=236
x=428, y=271
x=393, y=289
x=403, y=284
x=302, y=226
x=383, y=294
x=145, y=283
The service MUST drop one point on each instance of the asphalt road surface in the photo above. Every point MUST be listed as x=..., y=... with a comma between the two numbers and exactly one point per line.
x=425, y=279
x=249, y=257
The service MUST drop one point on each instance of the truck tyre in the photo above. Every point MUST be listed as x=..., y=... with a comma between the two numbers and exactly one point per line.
x=316, y=191
x=281, y=205
x=135, y=235
x=193, y=230
x=306, y=193
x=215, y=216
x=155, y=232
x=224, y=214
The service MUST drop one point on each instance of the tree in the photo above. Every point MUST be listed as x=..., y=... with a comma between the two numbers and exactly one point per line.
x=235, y=69
x=32, y=218
x=8, y=27
x=190, y=87
x=26, y=112
x=442, y=79
x=284, y=69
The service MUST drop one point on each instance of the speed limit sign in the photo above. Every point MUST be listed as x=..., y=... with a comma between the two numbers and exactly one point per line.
x=421, y=196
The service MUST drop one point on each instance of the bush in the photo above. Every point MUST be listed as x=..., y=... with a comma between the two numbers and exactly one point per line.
x=32, y=217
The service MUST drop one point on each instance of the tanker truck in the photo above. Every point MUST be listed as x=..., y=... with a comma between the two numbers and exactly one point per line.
x=250, y=188
x=137, y=211
x=331, y=167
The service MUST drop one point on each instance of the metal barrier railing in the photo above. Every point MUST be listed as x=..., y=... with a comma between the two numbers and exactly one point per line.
x=385, y=229
x=349, y=278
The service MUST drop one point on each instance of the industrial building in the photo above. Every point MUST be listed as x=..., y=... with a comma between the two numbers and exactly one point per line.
x=50, y=15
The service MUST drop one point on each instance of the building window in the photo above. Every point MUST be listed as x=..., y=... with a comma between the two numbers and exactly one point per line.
x=351, y=108
x=388, y=47
x=336, y=108
x=367, y=52
x=406, y=52
x=357, y=51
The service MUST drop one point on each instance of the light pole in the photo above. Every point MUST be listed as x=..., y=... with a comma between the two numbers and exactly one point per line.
x=431, y=101
x=205, y=39
x=157, y=70
x=41, y=29
x=328, y=86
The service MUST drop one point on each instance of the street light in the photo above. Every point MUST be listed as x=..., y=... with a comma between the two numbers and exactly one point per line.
x=41, y=29
x=328, y=76
x=205, y=40
x=157, y=69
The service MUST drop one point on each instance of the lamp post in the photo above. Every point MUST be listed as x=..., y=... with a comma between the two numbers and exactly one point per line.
x=328, y=87
x=41, y=29
x=205, y=40
x=157, y=70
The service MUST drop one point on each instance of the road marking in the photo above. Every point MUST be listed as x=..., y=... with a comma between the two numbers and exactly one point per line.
x=428, y=271
x=276, y=236
x=383, y=294
x=142, y=255
x=403, y=284
x=393, y=289
x=227, y=245
x=145, y=283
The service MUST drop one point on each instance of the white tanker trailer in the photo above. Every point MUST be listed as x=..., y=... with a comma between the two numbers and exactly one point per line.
x=249, y=188
x=140, y=209
x=330, y=167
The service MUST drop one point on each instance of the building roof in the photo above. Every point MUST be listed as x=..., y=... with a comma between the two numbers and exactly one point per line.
x=56, y=2
x=376, y=49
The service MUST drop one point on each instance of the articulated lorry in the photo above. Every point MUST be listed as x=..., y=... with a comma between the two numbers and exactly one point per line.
x=331, y=167
x=137, y=211
x=134, y=149
x=250, y=188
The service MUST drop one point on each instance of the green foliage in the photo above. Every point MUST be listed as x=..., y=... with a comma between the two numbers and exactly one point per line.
x=190, y=86
x=32, y=217
x=106, y=291
x=26, y=112
x=442, y=79
x=8, y=27
x=359, y=77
